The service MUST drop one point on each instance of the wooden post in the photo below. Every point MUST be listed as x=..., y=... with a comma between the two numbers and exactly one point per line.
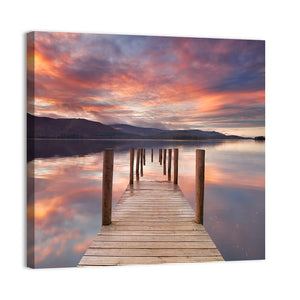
x=152, y=155
x=176, y=166
x=165, y=157
x=144, y=156
x=169, y=163
x=137, y=162
x=199, y=201
x=160, y=156
x=131, y=165
x=107, y=178
x=142, y=173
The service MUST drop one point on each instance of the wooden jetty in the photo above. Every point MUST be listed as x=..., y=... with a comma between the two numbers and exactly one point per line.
x=152, y=223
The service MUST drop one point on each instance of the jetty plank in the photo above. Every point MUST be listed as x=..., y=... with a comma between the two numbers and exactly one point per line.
x=152, y=252
x=153, y=238
x=143, y=220
x=151, y=244
x=115, y=260
x=152, y=232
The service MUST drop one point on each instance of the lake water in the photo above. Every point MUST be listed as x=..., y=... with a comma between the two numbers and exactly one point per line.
x=65, y=178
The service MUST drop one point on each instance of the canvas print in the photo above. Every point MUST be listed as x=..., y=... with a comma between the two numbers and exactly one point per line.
x=144, y=150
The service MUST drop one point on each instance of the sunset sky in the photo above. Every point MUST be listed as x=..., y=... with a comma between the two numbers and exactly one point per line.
x=162, y=82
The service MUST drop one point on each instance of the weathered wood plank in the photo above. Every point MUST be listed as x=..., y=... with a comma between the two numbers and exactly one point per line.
x=158, y=200
x=155, y=224
x=150, y=214
x=143, y=221
x=153, y=211
x=114, y=261
x=151, y=202
x=152, y=252
x=155, y=205
x=150, y=217
x=113, y=227
x=152, y=245
x=156, y=209
x=141, y=216
x=151, y=232
x=160, y=238
x=147, y=213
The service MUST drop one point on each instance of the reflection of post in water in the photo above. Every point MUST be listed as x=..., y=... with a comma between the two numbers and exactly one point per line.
x=152, y=155
x=144, y=156
x=137, y=163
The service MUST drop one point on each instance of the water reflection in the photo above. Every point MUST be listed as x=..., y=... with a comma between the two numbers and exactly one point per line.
x=67, y=181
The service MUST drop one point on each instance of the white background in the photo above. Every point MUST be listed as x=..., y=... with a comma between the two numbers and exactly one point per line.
x=275, y=21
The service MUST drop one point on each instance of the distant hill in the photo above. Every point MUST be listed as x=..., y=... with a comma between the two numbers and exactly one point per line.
x=168, y=134
x=138, y=130
x=210, y=134
x=43, y=127
x=154, y=133
x=188, y=135
x=193, y=135
x=259, y=138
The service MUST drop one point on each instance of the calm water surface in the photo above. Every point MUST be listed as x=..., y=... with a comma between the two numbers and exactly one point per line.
x=67, y=183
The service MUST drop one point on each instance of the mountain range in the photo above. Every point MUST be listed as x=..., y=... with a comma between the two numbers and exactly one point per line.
x=44, y=127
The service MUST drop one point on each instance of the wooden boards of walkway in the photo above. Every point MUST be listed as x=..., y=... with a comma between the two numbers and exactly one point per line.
x=151, y=224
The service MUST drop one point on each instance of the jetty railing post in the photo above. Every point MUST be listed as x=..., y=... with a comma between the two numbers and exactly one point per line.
x=137, y=162
x=144, y=156
x=160, y=156
x=152, y=155
x=165, y=157
x=142, y=173
x=169, y=163
x=107, y=178
x=131, y=165
x=176, y=166
x=199, y=201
